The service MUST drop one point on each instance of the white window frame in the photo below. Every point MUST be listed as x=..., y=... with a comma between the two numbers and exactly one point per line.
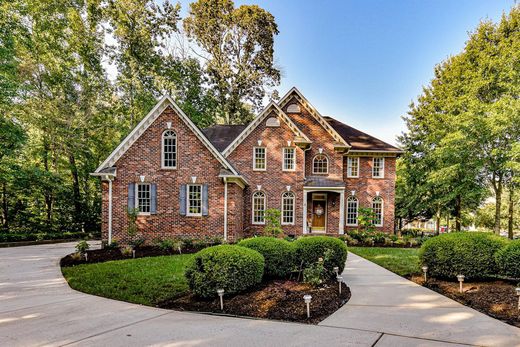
x=350, y=161
x=381, y=168
x=136, y=199
x=253, y=210
x=284, y=150
x=350, y=199
x=254, y=159
x=163, y=138
x=326, y=167
x=292, y=196
x=380, y=199
x=188, y=200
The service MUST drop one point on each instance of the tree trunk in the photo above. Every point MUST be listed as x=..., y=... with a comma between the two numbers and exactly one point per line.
x=5, y=207
x=510, y=213
x=448, y=222
x=76, y=195
x=47, y=195
x=438, y=221
x=497, y=187
x=458, y=213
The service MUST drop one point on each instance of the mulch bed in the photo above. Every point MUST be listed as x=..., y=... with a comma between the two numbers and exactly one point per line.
x=275, y=299
x=107, y=254
x=494, y=298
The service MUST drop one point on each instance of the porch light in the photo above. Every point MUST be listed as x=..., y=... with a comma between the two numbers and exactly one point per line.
x=340, y=280
x=461, y=279
x=425, y=270
x=141, y=178
x=517, y=290
x=336, y=270
x=307, y=298
x=220, y=293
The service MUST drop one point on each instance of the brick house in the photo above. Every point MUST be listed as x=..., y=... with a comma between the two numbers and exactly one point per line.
x=183, y=181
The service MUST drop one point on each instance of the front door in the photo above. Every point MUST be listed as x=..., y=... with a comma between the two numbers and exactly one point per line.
x=319, y=212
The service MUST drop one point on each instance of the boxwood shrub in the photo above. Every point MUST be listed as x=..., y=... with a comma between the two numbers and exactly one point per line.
x=232, y=268
x=307, y=251
x=508, y=259
x=278, y=255
x=469, y=253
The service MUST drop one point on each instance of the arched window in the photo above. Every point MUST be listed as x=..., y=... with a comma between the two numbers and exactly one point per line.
x=169, y=149
x=288, y=208
x=320, y=164
x=352, y=211
x=377, y=208
x=259, y=208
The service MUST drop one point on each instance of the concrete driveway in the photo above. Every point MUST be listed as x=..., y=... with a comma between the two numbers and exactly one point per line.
x=37, y=308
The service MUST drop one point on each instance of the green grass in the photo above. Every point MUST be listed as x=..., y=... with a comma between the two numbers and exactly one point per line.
x=402, y=261
x=144, y=281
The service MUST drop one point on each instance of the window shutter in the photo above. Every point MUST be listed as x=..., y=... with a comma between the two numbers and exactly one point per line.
x=131, y=197
x=153, y=198
x=182, y=200
x=204, y=199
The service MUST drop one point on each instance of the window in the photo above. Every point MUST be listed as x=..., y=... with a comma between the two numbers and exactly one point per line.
x=288, y=208
x=259, y=158
x=194, y=200
x=289, y=159
x=169, y=149
x=259, y=208
x=352, y=211
x=143, y=197
x=377, y=208
x=320, y=164
x=352, y=166
x=378, y=167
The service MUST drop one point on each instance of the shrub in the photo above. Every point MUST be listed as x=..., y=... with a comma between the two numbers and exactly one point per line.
x=82, y=246
x=232, y=268
x=308, y=250
x=278, y=254
x=169, y=245
x=467, y=253
x=316, y=273
x=127, y=251
x=273, y=226
x=508, y=260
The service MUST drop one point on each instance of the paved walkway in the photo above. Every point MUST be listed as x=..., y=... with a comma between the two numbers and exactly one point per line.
x=37, y=308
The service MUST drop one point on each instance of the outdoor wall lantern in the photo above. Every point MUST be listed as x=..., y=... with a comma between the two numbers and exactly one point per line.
x=141, y=178
x=336, y=270
x=461, y=279
x=320, y=150
x=169, y=125
x=340, y=280
x=425, y=270
x=307, y=298
x=517, y=290
x=259, y=142
x=220, y=293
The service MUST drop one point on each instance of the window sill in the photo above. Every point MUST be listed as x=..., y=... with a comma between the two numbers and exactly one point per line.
x=258, y=223
x=287, y=170
x=169, y=168
x=352, y=176
x=259, y=169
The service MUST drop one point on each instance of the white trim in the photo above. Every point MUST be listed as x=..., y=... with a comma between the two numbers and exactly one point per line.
x=314, y=158
x=304, y=219
x=109, y=211
x=257, y=121
x=357, y=171
x=254, y=158
x=382, y=209
x=382, y=168
x=374, y=151
x=176, y=150
x=357, y=211
x=253, y=207
x=158, y=109
x=136, y=198
x=293, y=208
x=311, y=189
x=225, y=209
x=283, y=159
x=188, y=213
x=326, y=212
x=342, y=213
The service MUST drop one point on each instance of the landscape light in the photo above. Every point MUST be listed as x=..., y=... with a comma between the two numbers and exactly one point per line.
x=336, y=270
x=425, y=270
x=517, y=290
x=340, y=280
x=220, y=293
x=461, y=279
x=307, y=298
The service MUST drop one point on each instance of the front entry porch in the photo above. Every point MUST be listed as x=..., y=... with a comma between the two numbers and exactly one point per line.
x=323, y=210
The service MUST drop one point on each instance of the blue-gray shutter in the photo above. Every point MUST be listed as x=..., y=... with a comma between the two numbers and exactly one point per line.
x=153, y=198
x=204, y=199
x=131, y=197
x=182, y=200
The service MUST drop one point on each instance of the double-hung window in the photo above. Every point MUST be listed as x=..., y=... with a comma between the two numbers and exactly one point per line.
x=143, y=198
x=288, y=208
x=169, y=150
x=377, y=209
x=352, y=166
x=194, y=200
x=378, y=167
x=289, y=159
x=352, y=211
x=259, y=158
x=259, y=208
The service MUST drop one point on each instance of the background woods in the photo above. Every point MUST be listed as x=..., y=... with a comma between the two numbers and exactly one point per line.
x=61, y=112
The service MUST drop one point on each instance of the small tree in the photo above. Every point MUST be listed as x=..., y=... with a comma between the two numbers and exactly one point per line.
x=132, y=214
x=273, y=226
x=366, y=219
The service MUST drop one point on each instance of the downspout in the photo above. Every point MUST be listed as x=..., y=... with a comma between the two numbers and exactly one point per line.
x=304, y=219
x=109, y=210
x=225, y=208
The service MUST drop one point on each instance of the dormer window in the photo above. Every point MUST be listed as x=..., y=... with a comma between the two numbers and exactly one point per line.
x=320, y=164
x=259, y=159
x=169, y=150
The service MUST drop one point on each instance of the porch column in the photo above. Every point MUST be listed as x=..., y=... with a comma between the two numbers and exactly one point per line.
x=304, y=219
x=342, y=212
x=109, y=210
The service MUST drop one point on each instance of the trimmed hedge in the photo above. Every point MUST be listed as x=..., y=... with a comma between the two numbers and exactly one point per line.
x=278, y=255
x=309, y=249
x=232, y=268
x=508, y=259
x=469, y=253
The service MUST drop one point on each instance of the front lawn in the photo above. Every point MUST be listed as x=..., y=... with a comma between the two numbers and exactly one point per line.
x=144, y=281
x=402, y=261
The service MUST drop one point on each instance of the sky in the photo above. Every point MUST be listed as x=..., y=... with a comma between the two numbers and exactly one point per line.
x=363, y=62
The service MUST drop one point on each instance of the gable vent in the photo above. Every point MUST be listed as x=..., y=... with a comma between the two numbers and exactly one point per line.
x=293, y=108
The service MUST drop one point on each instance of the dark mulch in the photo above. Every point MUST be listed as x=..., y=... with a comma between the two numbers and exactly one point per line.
x=107, y=254
x=276, y=299
x=494, y=298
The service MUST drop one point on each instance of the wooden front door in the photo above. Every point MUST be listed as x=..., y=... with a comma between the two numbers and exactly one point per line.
x=319, y=212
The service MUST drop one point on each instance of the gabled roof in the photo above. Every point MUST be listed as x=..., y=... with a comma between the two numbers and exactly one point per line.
x=266, y=112
x=359, y=140
x=158, y=109
x=314, y=112
x=222, y=135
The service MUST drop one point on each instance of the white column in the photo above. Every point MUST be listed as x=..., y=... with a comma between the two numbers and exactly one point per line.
x=342, y=212
x=225, y=209
x=304, y=212
x=109, y=210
